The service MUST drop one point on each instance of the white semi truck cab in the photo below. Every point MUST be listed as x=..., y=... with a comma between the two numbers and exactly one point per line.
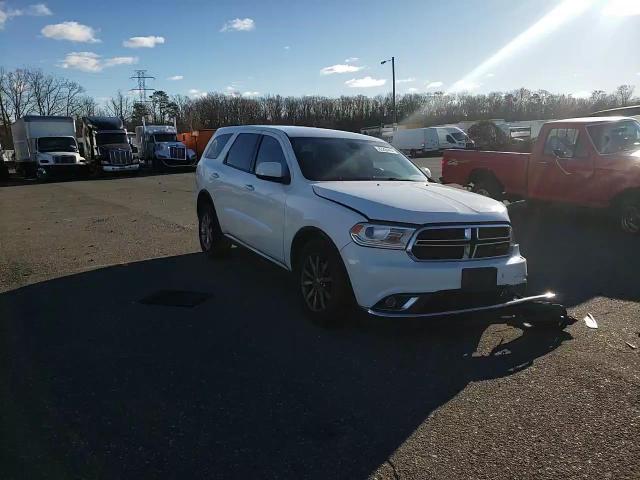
x=45, y=144
x=160, y=148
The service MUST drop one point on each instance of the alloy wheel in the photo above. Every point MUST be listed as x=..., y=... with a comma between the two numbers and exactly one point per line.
x=206, y=230
x=316, y=283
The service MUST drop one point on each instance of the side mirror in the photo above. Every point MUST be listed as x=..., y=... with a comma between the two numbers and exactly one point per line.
x=558, y=153
x=427, y=172
x=271, y=171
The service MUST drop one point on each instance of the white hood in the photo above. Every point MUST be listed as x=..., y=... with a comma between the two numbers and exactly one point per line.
x=413, y=202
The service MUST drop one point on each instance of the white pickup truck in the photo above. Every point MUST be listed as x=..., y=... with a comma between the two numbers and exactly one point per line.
x=357, y=223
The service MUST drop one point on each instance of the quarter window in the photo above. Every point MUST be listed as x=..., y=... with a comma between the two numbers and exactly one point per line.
x=217, y=145
x=242, y=151
x=561, y=142
x=270, y=151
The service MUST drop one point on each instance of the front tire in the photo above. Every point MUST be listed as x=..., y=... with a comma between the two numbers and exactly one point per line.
x=323, y=283
x=629, y=215
x=212, y=241
x=487, y=187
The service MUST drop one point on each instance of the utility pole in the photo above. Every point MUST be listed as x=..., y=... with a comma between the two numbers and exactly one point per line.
x=393, y=100
x=141, y=77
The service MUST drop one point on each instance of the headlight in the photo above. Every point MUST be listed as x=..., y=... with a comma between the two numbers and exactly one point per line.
x=381, y=236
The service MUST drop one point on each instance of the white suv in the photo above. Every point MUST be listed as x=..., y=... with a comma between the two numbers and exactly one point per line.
x=356, y=221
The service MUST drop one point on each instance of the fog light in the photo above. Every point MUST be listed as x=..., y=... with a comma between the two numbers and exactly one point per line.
x=390, y=302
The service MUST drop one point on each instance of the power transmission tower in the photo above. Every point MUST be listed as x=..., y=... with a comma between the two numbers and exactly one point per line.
x=141, y=77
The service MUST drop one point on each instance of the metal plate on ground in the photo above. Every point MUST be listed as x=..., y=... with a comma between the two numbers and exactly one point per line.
x=176, y=298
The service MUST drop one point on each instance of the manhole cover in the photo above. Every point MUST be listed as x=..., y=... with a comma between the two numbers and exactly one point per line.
x=176, y=298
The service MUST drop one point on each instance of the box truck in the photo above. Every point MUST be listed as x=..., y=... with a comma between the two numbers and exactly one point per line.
x=44, y=145
x=106, y=146
x=160, y=148
x=416, y=141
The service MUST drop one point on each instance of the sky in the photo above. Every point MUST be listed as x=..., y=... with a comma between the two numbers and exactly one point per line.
x=328, y=48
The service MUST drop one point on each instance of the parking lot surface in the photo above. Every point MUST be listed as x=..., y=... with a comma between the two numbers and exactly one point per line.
x=94, y=383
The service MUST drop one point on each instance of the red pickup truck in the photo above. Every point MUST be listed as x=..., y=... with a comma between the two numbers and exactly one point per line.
x=592, y=162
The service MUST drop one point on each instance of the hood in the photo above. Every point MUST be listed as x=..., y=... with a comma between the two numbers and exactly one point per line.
x=115, y=146
x=413, y=202
x=171, y=144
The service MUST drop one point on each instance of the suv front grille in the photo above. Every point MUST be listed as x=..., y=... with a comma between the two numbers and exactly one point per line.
x=461, y=242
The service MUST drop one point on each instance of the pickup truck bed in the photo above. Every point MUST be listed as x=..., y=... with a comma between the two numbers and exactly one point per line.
x=464, y=167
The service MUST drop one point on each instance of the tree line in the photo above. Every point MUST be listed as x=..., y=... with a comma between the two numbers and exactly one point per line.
x=31, y=91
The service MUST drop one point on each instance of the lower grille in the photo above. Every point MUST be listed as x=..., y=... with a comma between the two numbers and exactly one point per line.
x=64, y=159
x=461, y=242
x=178, y=153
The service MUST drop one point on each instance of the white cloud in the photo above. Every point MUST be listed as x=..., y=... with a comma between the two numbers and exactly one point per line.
x=434, y=84
x=340, y=69
x=287, y=47
x=490, y=75
x=464, y=86
x=195, y=93
x=406, y=80
x=35, y=10
x=72, y=31
x=351, y=59
x=365, y=82
x=412, y=90
x=92, y=62
x=143, y=42
x=250, y=94
x=622, y=8
x=581, y=94
x=175, y=78
x=239, y=25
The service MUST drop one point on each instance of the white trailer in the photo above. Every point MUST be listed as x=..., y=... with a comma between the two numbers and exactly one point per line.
x=415, y=141
x=44, y=144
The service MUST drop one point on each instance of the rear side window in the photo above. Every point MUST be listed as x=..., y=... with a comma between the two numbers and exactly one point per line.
x=217, y=145
x=270, y=151
x=242, y=151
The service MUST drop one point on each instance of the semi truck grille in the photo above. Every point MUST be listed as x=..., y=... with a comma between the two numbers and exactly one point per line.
x=64, y=159
x=461, y=242
x=120, y=157
x=179, y=153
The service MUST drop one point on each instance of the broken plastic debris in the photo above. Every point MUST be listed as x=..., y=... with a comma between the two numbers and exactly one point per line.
x=590, y=322
x=631, y=345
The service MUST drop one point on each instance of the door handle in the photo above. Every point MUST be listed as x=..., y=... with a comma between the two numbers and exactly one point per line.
x=251, y=188
x=543, y=163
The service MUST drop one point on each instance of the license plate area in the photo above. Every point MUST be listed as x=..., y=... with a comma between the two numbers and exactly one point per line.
x=482, y=279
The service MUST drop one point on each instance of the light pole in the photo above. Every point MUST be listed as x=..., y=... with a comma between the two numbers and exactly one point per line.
x=393, y=75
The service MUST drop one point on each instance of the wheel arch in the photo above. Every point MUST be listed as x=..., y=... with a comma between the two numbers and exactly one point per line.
x=301, y=238
x=478, y=174
x=204, y=198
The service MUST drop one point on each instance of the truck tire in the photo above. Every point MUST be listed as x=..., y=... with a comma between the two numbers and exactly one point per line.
x=212, y=241
x=325, y=290
x=628, y=215
x=487, y=187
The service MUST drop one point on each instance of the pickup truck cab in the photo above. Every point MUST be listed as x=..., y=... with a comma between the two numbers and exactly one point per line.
x=592, y=162
x=356, y=222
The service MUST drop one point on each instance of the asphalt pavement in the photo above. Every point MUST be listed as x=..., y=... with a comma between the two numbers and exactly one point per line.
x=96, y=381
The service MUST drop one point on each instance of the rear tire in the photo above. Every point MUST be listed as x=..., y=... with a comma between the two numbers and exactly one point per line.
x=322, y=279
x=628, y=215
x=487, y=187
x=212, y=241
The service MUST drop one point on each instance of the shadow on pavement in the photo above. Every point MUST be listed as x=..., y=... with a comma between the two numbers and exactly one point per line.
x=578, y=253
x=97, y=385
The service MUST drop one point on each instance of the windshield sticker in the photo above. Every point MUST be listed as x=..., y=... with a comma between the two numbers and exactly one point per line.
x=386, y=150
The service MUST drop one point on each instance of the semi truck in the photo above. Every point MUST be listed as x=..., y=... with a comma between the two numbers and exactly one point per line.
x=589, y=162
x=106, y=145
x=159, y=147
x=416, y=141
x=44, y=145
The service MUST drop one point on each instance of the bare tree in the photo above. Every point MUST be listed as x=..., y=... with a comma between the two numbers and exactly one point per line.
x=624, y=93
x=121, y=106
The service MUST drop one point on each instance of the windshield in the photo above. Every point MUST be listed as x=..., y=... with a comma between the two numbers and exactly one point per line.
x=57, y=144
x=109, y=138
x=460, y=136
x=164, y=137
x=616, y=137
x=327, y=159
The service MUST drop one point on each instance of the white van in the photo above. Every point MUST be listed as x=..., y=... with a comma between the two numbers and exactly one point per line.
x=415, y=141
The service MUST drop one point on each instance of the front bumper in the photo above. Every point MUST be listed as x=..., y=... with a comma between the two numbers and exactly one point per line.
x=178, y=163
x=377, y=273
x=121, y=168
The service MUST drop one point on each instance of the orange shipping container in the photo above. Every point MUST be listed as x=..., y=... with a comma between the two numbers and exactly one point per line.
x=197, y=140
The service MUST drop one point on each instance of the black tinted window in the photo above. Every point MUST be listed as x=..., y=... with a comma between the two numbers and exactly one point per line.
x=241, y=153
x=217, y=145
x=270, y=151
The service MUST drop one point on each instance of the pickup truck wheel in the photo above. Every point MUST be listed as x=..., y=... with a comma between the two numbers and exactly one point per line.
x=324, y=285
x=212, y=241
x=488, y=188
x=629, y=216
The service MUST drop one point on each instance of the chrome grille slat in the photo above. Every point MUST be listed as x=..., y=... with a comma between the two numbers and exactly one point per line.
x=464, y=242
